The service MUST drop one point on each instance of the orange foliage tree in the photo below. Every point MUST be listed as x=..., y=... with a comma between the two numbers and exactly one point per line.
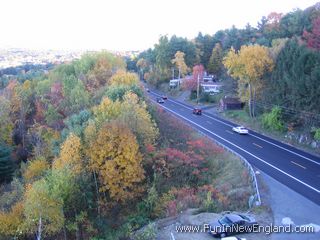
x=114, y=155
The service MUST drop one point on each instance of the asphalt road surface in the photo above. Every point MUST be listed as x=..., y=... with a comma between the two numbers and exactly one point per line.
x=296, y=169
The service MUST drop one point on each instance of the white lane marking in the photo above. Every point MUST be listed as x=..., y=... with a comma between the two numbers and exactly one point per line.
x=298, y=164
x=208, y=122
x=287, y=221
x=172, y=237
x=309, y=159
x=261, y=160
x=229, y=132
x=257, y=145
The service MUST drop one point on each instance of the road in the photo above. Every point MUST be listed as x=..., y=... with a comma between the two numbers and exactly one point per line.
x=296, y=169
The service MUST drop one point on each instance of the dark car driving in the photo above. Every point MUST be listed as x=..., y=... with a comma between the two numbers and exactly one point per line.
x=160, y=100
x=231, y=224
x=164, y=97
x=197, y=111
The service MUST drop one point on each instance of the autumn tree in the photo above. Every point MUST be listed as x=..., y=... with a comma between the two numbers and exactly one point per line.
x=12, y=221
x=43, y=139
x=142, y=64
x=124, y=78
x=215, y=62
x=114, y=155
x=179, y=62
x=191, y=83
x=313, y=37
x=106, y=111
x=249, y=65
x=272, y=26
x=36, y=169
x=117, y=92
x=70, y=155
x=43, y=211
x=105, y=64
x=134, y=115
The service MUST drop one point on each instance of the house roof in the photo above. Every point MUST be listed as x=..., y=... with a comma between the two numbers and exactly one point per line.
x=231, y=100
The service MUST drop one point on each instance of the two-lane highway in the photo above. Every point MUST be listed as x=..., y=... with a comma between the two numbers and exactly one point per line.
x=296, y=169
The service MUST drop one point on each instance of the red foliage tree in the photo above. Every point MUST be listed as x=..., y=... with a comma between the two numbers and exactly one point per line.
x=39, y=116
x=313, y=37
x=56, y=94
x=190, y=83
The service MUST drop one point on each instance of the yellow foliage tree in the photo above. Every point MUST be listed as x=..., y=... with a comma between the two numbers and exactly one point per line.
x=130, y=112
x=35, y=169
x=124, y=78
x=134, y=114
x=70, y=155
x=180, y=63
x=11, y=223
x=249, y=65
x=114, y=155
x=42, y=210
x=106, y=111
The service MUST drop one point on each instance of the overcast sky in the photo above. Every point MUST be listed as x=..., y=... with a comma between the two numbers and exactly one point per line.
x=124, y=24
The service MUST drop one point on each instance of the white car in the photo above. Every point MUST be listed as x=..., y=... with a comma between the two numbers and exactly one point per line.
x=240, y=130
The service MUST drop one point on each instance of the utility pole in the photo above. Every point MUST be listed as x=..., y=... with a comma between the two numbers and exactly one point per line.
x=198, y=89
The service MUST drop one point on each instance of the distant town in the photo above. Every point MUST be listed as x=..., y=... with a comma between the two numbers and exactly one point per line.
x=14, y=57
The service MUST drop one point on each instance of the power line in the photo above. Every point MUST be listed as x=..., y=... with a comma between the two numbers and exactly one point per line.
x=288, y=110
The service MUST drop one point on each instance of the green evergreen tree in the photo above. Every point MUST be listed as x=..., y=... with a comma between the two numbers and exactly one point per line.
x=6, y=164
x=215, y=62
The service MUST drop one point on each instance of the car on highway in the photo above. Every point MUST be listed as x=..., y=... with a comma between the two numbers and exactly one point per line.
x=164, y=97
x=147, y=89
x=231, y=224
x=160, y=100
x=240, y=130
x=197, y=111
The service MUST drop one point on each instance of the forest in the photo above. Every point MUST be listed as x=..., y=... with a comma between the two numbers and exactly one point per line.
x=85, y=155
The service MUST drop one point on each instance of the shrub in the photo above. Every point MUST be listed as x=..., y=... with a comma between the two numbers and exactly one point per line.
x=316, y=135
x=208, y=204
x=273, y=120
x=149, y=232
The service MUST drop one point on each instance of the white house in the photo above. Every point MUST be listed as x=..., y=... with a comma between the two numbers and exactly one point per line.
x=210, y=88
x=175, y=82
